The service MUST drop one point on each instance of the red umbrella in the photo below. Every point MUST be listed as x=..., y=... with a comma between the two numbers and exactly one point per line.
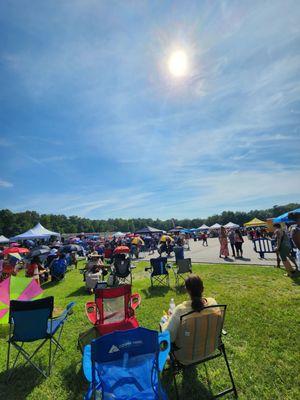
x=121, y=249
x=20, y=250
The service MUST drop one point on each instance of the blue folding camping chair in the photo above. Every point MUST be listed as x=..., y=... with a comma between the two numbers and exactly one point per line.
x=126, y=365
x=31, y=321
x=159, y=271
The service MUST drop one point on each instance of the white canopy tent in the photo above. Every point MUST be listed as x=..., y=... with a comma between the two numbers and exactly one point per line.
x=38, y=232
x=202, y=227
x=231, y=225
x=118, y=234
x=215, y=226
x=3, y=239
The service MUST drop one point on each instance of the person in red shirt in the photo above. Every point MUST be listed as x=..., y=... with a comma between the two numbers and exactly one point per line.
x=35, y=268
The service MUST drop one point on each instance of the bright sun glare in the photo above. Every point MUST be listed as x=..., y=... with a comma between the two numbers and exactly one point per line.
x=178, y=63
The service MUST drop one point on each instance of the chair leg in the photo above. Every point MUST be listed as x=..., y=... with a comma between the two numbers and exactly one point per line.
x=58, y=346
x=173, y=372
x=50, y=358
x=175, y=384
x=28, y=358
x=229, y=371
x=8, y=358
x=14, y=363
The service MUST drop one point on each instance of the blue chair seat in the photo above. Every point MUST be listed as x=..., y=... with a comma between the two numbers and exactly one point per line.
x=126, y=365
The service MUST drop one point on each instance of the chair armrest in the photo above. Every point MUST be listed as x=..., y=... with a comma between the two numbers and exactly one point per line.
x=91, y=311
x=87, y=362
x=135, y=301
x=165, y=347
x=148, y=269
x=55, y=323
x=67, y=311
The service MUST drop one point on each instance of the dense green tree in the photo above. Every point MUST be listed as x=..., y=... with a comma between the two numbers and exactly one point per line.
x=12, y=224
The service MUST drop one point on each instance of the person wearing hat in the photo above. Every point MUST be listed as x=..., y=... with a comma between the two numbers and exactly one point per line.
x=95, y=263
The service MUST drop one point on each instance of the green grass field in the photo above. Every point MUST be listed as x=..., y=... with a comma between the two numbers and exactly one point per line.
x=262, y=342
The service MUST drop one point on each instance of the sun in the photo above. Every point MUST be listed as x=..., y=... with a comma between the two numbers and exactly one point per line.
x=178, y=63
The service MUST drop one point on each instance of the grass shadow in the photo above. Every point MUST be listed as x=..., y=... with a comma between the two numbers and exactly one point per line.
x=296, y=278
x=82, y=291
x=228, y=259
x=180, y=289
x=74, y=380
x=189, y=386
x=50, y=284
x=21, y=387
x=155, y=291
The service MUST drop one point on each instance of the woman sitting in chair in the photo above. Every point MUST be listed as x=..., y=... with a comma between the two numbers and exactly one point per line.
x=197, y=302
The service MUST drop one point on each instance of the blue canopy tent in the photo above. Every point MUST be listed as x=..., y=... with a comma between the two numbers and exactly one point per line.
x=285, y=217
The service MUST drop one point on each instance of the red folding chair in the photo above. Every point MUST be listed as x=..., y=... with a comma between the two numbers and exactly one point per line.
x=113, y=309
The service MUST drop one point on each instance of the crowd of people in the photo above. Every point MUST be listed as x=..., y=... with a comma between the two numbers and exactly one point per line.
x=236, y=240
x=54, y=264
x=285, y=242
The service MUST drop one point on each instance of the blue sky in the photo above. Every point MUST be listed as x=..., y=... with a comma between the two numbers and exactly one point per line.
x=92, y=123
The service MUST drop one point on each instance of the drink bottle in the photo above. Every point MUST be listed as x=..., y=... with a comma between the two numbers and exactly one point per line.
x=171, y=307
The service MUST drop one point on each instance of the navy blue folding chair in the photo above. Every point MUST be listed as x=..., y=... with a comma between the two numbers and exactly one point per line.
x=31, y=321
x=126, y=365
x=159, y=271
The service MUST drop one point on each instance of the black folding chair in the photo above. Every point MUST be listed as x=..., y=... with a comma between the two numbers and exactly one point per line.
x=182, y=268
x=31, y=321
x=122, y=270
x=159, y=271
x=199, y=339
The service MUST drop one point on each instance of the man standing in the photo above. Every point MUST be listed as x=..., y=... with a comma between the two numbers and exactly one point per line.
x=231, y=238
x=296, y=235
x=282, y=246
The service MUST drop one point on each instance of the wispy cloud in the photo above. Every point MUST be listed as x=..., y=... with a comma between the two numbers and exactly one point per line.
x=5, y=184
x=106, y=131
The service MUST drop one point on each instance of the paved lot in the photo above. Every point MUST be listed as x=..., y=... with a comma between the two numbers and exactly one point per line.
x=210, y=254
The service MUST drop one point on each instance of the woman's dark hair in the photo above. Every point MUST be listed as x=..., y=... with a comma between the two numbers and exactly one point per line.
x=238, y=232
x=194, y=286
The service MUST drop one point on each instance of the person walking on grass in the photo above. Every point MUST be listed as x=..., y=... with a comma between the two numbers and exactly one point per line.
x=223, y=243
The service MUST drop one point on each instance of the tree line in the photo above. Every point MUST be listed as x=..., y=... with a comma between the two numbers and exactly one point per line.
x=12, y=224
